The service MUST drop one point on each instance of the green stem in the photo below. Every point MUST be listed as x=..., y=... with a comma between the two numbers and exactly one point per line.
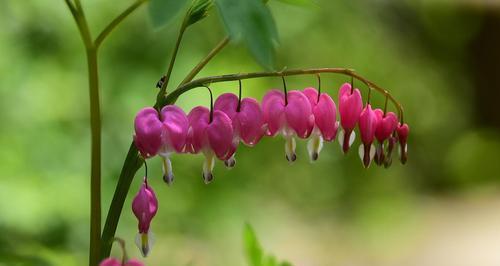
x=163, y=89
x=172, y=97
x=133, y=162
x=205, y=60
x=95, y=176
x=115, y=22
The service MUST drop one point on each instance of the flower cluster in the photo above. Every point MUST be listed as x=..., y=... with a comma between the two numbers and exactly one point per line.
x=217, y=132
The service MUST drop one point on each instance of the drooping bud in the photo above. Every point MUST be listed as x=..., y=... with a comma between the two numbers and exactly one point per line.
x=149, y=130
x=403, y=130
x=144, y=206
x=390, y=147
x=350, y=107
x=386, y=125
x=367, y=125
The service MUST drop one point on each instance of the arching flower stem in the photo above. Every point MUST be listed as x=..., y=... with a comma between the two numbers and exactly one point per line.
x=172, y=97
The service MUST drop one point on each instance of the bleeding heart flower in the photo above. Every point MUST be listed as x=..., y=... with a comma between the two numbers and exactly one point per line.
x=290, y=116
x=350, y=107
x=148, y=132
x=367, y=126
x=212, y=134
x=325, y=121
x=145, y=206
x=386, y=125
x=175, y=124
x=403, y=130
x=115, y=262
x=391, y=142
x=246, y=120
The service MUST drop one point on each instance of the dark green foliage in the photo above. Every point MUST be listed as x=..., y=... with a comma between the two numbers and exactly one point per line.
x=251, y=22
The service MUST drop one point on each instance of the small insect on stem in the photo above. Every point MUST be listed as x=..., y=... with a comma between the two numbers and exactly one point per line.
x=160, y=82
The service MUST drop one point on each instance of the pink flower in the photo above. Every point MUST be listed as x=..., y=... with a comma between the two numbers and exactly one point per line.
x=175, y=125
x=246, y=120
x=386, y=125
x=115, y=262
x=212, y=134
x=144, y=206
x=148, y=132
x=325, y=121
x=367, y=126
x=291, y=117
x=350, y=107
x=403, y=130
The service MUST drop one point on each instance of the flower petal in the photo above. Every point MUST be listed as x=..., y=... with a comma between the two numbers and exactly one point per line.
x=350, y=107
x=148, y=132
x=367, y=125
x=133, y=262
x=249, y=121
x=198, y=122
x=386, y=124
x=227, y=103
x=176, y=125
x=273, y=109
x=110, y=262
x=220, y=135
x=298, y=114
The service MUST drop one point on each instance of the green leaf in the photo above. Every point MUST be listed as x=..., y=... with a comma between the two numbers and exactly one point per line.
x=253, y=249
x=198, y=11
x=251, y=21
x=285, y=263
x=163, y=11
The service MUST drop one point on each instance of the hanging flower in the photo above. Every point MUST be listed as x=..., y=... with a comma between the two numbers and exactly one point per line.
x=290, y=116
x=403, y=130
x=246, y=117
x=212, y=134
x=367, y=126
x=145, y=206
x=115, y=262
x=148, y=132
x=350, y=107
x=175, y=124
x=325, y=121
x=387, y=123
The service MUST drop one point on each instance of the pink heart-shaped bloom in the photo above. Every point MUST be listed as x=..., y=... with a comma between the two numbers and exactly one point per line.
x=133, y=262
x=367, y=126
x=273, y=109
x=145, y=206
x=149, y=131
x=115, y=262
x=247, y=122
x=386, y=124
x=176, y=127
x=350, y=107
x=403, y=130
x=198, y=118
x=325, y=113
x=220, y=135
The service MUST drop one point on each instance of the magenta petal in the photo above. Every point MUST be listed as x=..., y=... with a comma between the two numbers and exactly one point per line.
x=367, y=125
x=176, y=125
x=325, y=117
x=298, y=113
x=148, y=132
x=350, y=107
x=227, y=103
x=133, y=262
x=249, y=121
x=273, y=109
x=220, y=135
x=198, y=121
x=312, y=95
x=386, y=124
x=145, y=206
x=110, y=262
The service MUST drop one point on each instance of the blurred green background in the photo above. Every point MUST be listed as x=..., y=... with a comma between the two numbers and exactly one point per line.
x=441, y=59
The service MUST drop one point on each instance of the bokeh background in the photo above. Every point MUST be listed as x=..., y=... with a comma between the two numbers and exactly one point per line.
x=440, y=59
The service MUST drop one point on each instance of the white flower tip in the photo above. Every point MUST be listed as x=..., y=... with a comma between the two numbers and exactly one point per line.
x=208, y=177
x=229, y=163
x=144, y=242
x=168, y=178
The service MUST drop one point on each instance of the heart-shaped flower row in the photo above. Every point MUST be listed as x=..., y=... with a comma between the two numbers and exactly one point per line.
x=217, y=133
